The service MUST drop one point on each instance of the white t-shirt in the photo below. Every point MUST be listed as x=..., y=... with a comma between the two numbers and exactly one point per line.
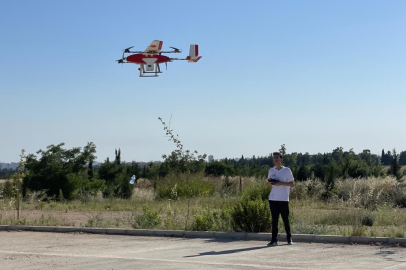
x=280, y=193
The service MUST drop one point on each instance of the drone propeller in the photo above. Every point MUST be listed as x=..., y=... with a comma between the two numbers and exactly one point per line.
x=121, y=61
x=176, y=50
x=127, y=50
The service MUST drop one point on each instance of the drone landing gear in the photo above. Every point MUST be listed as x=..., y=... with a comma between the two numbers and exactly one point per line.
x=150, y=69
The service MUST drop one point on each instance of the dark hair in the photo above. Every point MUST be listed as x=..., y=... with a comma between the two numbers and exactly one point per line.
x=277, y=154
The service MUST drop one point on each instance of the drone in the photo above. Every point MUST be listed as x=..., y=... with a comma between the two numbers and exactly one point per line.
x=150, y=59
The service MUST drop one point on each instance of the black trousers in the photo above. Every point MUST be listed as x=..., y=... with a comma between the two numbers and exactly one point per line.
x=282, y=208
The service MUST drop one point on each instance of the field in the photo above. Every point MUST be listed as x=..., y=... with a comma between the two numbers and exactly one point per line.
x=360, y=207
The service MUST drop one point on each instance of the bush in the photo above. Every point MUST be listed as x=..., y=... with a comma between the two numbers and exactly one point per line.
x=184, y=186
x=207, y=222
x=251, y=216
x=400, y=197
x=96, y=220
x=213, y=221
x=312, y=189
x=254, y=192
x=147, y=220
x=7, y=189
x=228, y=187
x=368, y=220
x=252, y=213
x=367, y=193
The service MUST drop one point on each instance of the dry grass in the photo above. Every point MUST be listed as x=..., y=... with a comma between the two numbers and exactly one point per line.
x=340, y=215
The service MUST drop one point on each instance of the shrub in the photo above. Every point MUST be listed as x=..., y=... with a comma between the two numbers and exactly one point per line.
x=368, y=220
x=169, y=223
x=7, y=189
x=46, y=221
x=147, y=220
x=329, y=194
x=214, y=220
x=400, y=197
x=252, y=213
x=228, y=187
x=207, y=222
x=367, y=193
x=251, y=216
x=256, y=192
x=184, y=186
x=358, y=230
x=307, y=189
x=41, y=205
x=96, y=220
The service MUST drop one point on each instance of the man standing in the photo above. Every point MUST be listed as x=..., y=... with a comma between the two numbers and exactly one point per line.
x=281, y=180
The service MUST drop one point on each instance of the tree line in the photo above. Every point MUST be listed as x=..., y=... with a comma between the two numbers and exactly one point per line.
x=66, y=174
x=304, y=166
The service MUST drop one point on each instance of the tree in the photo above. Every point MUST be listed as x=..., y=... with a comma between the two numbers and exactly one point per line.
x=337, y=154
x=218, y=169
x=290, y=160
x=118, y=157
x=117, y=177
x=51, y=171
x=358, y=168
x=402, y=158
x=241, y=161
x=303, y=173
x=386, y=159
x=394, y=166
x=8, y=189
x=17, y=182
x=186, y=159
x=330, y=177
x=318, y=171
x=180, y=160
x=282, y=150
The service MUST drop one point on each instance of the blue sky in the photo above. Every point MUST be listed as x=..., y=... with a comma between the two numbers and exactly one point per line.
x=313, y=75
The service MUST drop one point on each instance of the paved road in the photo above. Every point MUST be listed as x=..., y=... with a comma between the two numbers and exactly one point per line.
x=35, y=250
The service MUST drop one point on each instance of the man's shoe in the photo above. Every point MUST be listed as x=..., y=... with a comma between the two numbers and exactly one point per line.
x=273, y=243
x=290, y=242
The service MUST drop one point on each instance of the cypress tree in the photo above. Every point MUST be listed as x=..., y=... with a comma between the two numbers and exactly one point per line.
x=395, y=167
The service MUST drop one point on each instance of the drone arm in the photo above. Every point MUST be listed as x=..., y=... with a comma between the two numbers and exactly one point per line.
x=134, y=52
x=171, y=52
x=178, y=59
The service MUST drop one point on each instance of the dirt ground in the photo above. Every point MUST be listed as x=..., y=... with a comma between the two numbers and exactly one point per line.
x=69, y=218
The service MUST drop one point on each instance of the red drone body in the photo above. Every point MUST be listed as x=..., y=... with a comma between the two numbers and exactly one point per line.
x=139, y=58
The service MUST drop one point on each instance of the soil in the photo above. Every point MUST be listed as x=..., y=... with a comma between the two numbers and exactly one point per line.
x=69, y=218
